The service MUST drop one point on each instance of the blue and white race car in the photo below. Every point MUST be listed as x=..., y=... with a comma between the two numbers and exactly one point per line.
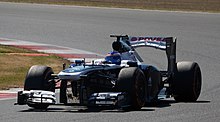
x=119, y=80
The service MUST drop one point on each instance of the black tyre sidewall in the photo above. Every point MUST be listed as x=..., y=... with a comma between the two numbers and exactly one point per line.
x=38, y=78
x=131, y=80
x=187, y=82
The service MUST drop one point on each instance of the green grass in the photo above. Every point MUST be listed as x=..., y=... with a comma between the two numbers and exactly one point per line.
x=14, y=67
x=9, y=49
x=183, y=5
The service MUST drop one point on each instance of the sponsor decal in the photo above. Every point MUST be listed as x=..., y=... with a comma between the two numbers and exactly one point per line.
x=157, y=39
x=157, y=42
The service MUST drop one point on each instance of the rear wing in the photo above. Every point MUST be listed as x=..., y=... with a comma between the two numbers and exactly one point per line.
x=167, y=44
x=156, y=42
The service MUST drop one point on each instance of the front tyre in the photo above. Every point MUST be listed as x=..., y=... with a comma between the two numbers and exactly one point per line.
x=187, y=82
x=132, y=81
x=39, y=78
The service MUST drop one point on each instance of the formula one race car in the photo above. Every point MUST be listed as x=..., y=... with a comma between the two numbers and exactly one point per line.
x=119, y=80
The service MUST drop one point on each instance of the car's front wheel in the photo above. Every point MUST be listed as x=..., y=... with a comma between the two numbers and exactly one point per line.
x=39, y=78
x=132, y=81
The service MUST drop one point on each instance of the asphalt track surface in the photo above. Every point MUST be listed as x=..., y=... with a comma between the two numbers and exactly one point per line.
x=89, y=29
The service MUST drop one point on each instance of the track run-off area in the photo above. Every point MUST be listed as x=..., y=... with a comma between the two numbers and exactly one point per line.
x=88, y=29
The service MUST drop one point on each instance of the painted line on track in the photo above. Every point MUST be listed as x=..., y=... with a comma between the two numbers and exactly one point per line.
x=4, y=96
x=9, y=94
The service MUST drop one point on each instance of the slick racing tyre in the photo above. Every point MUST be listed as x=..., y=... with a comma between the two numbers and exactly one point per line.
x=39, y=78
x=187, y=82
x=132, y=81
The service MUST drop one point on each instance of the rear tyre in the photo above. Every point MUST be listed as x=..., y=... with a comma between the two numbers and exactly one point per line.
x=187, y=82
x=132, y=81
x=39, y=78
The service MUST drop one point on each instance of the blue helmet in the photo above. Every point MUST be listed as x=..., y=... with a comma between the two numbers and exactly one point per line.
x=113, y=57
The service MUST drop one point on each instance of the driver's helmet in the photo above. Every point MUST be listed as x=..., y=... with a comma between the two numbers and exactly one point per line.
x=113, y=57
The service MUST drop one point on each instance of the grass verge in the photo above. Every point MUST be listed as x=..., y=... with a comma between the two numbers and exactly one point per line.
x=173, y=5
x=14, y=67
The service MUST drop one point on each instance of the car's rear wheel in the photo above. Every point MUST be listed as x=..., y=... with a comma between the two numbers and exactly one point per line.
x=132, y=81
x=187, y=82
x=39, y=78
